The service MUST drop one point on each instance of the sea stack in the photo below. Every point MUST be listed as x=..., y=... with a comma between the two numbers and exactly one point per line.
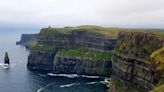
x=6, y=59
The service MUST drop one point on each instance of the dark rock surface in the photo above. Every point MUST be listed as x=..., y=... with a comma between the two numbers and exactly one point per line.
x=6, y=59
x=76, y=39
x=40, y=60
x=84, y=66
x=138, y=44
x=132, y=69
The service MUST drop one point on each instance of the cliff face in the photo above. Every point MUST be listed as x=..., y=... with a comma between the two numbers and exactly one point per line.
x=138, y=44
x=81, y=65
x=28, y=40
x=132, y=68
x=77, y=39
x=133, y=72
x=43, y=58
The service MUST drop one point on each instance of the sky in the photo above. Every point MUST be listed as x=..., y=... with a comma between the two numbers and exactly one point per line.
x=60, y=13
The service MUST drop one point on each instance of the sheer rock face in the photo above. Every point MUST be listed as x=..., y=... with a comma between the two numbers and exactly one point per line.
x=84, y=66
x=132, y=71
x=132, y=67
x=6, y=59
x=40, y=60
x=138, y=44
x=76, y=39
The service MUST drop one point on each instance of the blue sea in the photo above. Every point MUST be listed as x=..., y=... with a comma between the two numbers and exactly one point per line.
x=18, y=78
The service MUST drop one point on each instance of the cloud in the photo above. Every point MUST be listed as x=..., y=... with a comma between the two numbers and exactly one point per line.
x=123, y=13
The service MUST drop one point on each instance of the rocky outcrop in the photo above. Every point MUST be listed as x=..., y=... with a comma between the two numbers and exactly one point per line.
x=83, y=66
x=6, y=59
x=41, y=60
x=132, y=68
x=28, y=40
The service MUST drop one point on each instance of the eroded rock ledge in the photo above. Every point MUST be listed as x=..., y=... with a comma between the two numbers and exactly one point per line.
x=83, y=66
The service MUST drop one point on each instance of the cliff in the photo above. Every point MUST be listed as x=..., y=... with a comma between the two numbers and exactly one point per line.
x=28, y=40
x=82, y=61
x=135, y=63
x=55, y=44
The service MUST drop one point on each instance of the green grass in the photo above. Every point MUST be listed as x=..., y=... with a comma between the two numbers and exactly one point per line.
x=112, y=32
x=43, y=48
x=84, y=53
x=159, y=88
x=157, y=58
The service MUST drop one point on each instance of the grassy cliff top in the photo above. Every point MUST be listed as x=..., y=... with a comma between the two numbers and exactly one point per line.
x=112, y=32
x=84, y=53
x=106, y=31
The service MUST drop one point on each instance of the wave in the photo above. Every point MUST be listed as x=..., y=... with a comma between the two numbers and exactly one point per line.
x=63, y=75
x=42, y=75
x=106, y=81
x=88, y=83
x=69, y=85
x=6, y=66
x=91, y=83
x=86, y=76
x=73, y=75
x=42, y=88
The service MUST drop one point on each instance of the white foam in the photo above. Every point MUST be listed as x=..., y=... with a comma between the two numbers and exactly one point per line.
x=42, y=88
x=7, y=66
x=64, y=75
x=73, y=75
x=42, y=75
x=86, y=76
x=91, y=83
x=69, y=85
x=106, y=81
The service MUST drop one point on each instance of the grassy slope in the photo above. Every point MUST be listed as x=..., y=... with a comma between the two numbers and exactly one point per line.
x=86, y=53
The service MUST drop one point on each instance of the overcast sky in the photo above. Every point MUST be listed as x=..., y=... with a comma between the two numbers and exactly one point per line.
x=58, y=13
